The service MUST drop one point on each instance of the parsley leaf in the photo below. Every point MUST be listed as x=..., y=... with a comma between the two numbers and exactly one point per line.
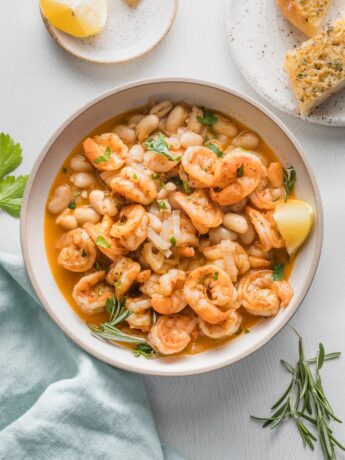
x=105, y=157
x=158, y=145
x=215, y=149
x=215, y=276
x=72, y=204
x=240, y=171
x=172, y=240
x=10, y=154
x=161, y=205
x=290, y=178
x=11, y=194
x=102, y=242
x=278, y=272
x=209, y=119
x=186, y=187
x=144, y=349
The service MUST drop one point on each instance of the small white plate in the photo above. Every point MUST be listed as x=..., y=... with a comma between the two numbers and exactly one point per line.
x=128, y=33
x=259, y=36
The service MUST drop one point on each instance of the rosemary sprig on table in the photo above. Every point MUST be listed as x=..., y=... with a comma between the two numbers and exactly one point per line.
x=304, y=400
x=110, y=332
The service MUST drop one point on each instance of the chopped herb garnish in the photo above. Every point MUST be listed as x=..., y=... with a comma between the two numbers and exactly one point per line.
x=72, y=204
x=158, y=145
x=83, y=253
x=102, y=242
x=117, y=285
x=246, y=331
x=144, y=349
x=215, y=276
x=186, y=187
x=209, y=119
x=135, y=176
x=97, y=266
x=215, y=149
x=278, y=272
x=64, y=170
x=155, y=176
x=172, y=240
x=276, y=199
x=240, y=171
x=161, y=205
x=289, y=180
x=76, y=194
x=105, y=157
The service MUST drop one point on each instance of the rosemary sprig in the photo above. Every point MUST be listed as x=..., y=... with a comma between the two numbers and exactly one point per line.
x=304, y=400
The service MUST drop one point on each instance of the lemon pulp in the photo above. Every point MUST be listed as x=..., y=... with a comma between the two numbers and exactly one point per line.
x=294, y=220
x=80, y=18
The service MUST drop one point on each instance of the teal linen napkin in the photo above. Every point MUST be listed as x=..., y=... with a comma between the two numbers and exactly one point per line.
x=56, y=401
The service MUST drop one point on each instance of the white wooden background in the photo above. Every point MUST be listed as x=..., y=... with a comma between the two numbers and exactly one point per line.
x=207, y=416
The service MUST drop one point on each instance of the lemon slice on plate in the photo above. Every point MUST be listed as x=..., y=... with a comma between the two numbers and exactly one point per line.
x=80, y=18
x=294, y=220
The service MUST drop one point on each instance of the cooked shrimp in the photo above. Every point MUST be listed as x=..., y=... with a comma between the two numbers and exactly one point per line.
x=223, y=329
x=131, y=227
x=237, y=175
x=135, y=186
x=203, y=213
x=91, y=293
x=122, y=275
x=77, y=251
x=170, y=298
x=160, y=163
x=99, y=233
x=186, y=238
x=138, y=304
x=209, y=291
x=262, y=296
x=259, y=258
x=200, y=163
x=106, y=152
x=171, y=334
x=270, y=190
x=151, y=286
x=266, y=229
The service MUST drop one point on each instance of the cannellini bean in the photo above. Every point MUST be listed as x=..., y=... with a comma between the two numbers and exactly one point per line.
x=224, y=140
x=262, y=158
x=134, y=120
x=176, y=119
x=221, y=233
x=162, y=108
x=249, y=236
x=154, y=222
x=136, y=153
x=190, y=139
x=235, y=222
x=80, y=164
x=67, y=220
x=170, y=186
x=84, y=194
x=145, y=127
x=173, y=142
x=126, y=134
x=83, y=180
x=225, y=126
x=102, y=203
x=246, y=140
x=85, y=214
x=193, y=124
x=60, y=199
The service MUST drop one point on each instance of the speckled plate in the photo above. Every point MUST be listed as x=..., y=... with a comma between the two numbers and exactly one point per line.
x=259, y=36
x=129, y=32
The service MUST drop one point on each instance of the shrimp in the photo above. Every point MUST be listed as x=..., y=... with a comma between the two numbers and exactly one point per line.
x=122, y=275
x=266, y=229
x=259, y=258
x=237, y=175
x=170, y=298
x=99, y=233
x=132, y=226
x=106, y=152
x=200, y=163
x=226, y=328
x=270, y=190
x=91, y=293
x=209, y=291
x=171, y=334
x=186, y=239
x=77, y=251
x=135, y=186
x=141, y=316
x=151, y=286
x=160, y=163
x=262, y=296
x=203, y=213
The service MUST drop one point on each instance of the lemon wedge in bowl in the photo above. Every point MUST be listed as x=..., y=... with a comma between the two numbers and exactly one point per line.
x=80, y=18
x=294, y=220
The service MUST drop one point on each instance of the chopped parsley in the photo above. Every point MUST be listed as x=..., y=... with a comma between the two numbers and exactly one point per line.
x=278, y=272
x=289, y=180
x=186, y=187
x=102, y=242
x=158, y=145
x=72, y=204
x=240, y=171
x=215, y=276
x=155, y=176
x=117, y=285
x=215, y=149
x=144, y=349
x=135, y=176
x=105, y=157
x=83, y=253
x=172, y=240
x=209, y=119
x=161, y=205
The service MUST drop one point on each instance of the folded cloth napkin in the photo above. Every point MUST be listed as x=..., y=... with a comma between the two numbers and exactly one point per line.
x=56, y=401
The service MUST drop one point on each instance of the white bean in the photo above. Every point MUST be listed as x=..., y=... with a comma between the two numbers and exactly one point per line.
x=193, y=124
x=176, y=119
x=190, y=139
x=225, y=126
x=60, y=199
x=85, y=214
x=224, y=140
x=246, y=140
x=162, y=108
x=134, y=120
x=145, y=127
x=83, y=180
x=80, y=164
x=249, y=236
x=235, y=222
x=126, y=134
x=173, y=142
x=221, y=233
x=67, y=220
x=136, y=153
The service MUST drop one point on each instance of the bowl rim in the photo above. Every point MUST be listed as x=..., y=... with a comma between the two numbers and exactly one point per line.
x=319, y=226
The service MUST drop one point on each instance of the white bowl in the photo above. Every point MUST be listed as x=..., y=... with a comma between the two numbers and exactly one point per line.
x=121, y=99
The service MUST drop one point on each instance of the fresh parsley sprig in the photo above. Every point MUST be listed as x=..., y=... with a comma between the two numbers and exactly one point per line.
x=290, y=178
x=159, y=145
x=209, y=118
x=305, y=400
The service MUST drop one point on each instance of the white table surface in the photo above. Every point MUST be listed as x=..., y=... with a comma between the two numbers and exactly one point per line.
x=207, y=416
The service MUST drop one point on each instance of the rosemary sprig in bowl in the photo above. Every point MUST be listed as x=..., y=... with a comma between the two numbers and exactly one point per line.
x=305, y=400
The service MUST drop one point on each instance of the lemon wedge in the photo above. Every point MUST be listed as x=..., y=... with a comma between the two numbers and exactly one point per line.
x=80, y=18
x=294, y=220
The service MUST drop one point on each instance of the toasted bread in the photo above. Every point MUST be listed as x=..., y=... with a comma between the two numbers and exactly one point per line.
x=316, y=69
x=306, y=15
